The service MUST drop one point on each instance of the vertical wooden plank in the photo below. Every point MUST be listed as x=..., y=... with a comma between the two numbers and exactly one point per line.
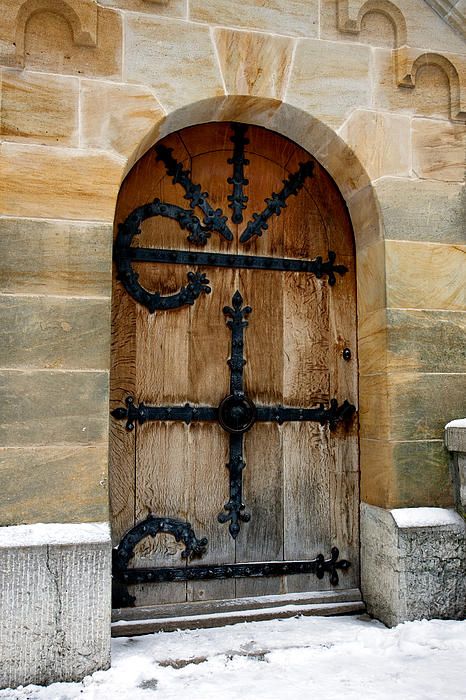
x=209, y=376
x=209, y=349
x=122, y=383
x=261, y=539
x=306, y=384
x=305, y=445
x=344, y=442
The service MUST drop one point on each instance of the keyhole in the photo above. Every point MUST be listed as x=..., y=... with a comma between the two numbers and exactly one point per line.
x=347, y=354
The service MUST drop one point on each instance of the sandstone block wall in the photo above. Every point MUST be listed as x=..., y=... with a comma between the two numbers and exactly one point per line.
x=374, y=89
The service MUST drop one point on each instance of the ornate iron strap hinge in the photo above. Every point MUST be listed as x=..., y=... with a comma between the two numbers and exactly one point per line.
x=277, y=201
x=238, y=199
x=198, y=234
x=213, y=219
x=236, y=414
x=124, y=575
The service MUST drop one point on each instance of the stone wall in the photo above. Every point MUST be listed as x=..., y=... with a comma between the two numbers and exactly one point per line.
x=374, y=89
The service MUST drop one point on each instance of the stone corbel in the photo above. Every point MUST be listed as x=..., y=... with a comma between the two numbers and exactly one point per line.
x=351, y=13
x=408, y=61
x=81, y=16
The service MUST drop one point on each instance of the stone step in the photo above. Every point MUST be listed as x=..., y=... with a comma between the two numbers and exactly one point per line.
x=136, y=621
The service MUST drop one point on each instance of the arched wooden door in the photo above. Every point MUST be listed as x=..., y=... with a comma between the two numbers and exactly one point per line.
x=234, y=339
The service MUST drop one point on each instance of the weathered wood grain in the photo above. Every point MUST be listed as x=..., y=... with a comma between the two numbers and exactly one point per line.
x=299, y=479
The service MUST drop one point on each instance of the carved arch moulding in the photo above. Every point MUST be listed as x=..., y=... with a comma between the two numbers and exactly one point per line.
x=352, y=12
x=81, y=16
x=408, y=61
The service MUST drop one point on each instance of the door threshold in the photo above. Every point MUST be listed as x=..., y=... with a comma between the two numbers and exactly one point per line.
x=128, y=622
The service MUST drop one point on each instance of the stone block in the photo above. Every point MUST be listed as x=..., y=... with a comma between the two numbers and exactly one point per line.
x=412, y=340
x=365, y=216
x=296, y=18
x=38, y=256
x=70, y=484
x=455, y=435
x=381, y=141
x=422, y=474
x=371, y=278
x=174, y=56
x=455, y=442
x=439, y=151
x=78, y=16
x=429, y=97
x=54, y=602
x=42, y=407
x=409, y=406
x=50, y=46
x=425, y=275
x=329, y=79
x=106, y=111
x=39, y=108
x=384, y=23
x=54, y=333
x=164, y=8
x=412, y=563
x=443, y=206
x=58, y=183
x=253, y=63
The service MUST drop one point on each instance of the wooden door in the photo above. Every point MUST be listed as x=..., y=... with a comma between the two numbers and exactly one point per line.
x=300, y=480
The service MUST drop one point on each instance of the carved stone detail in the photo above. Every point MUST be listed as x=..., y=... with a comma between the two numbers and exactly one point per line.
x=81, y=16
x=408, y=61
x=351, y=13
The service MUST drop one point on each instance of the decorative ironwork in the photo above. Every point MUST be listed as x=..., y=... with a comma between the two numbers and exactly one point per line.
x=318, y=566
x=277, y=201
x=236, y=414
x=238, y=199
x=150, y=527
x=334, y=415
x=318, y=266
x=197, y=281
x=213, y=219
x=142, y=413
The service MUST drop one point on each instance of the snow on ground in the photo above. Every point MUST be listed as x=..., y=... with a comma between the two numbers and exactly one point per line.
x=301, y=658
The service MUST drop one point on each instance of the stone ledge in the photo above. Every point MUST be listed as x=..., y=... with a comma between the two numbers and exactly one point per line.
x=54, y=602
x=412, y=563
x=455, y=435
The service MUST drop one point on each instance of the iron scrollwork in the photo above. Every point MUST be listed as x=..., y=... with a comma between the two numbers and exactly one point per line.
x=150, y=527
x=238, y=199
x=213, y=219
x=153, y=301
x=199, y=233
x=124, y=576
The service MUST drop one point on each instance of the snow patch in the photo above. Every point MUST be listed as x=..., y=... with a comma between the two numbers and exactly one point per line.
x=41, y=534
x=425, y=517
x=335, y=658
x=458, y=423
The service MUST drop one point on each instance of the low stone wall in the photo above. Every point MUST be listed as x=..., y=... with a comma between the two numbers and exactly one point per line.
x=413, y=562
x=55, y=603
x=455, y=441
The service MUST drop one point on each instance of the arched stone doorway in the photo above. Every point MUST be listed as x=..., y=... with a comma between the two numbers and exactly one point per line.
x=268, y=223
